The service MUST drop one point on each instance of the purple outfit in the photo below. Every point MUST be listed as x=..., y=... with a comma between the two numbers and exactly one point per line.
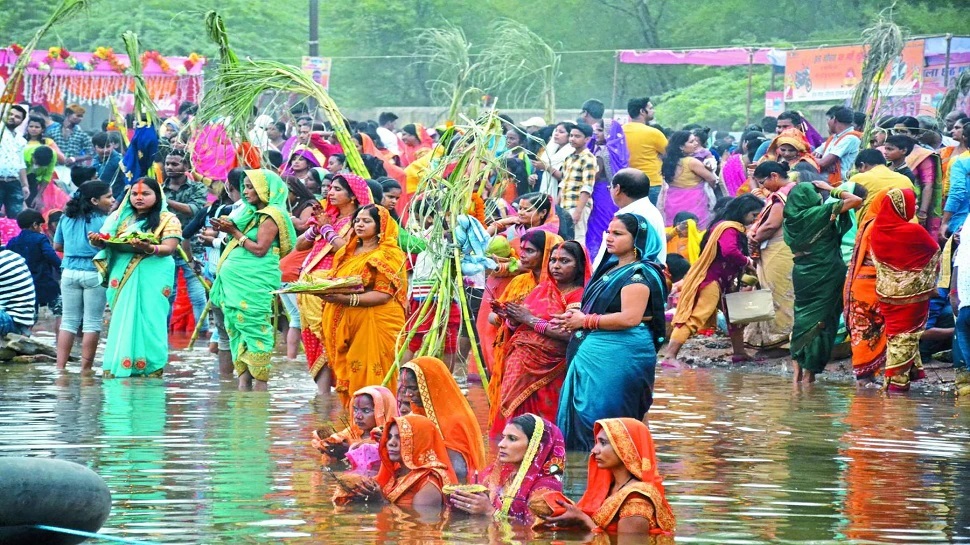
x=729, y=262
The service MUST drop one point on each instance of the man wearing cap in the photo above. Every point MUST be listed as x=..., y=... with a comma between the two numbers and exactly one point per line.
x=385, y=130
x=533, y=124
x=13, y=169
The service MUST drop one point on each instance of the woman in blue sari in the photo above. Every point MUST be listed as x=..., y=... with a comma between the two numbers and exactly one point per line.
x=139, y=281
x=622, y=313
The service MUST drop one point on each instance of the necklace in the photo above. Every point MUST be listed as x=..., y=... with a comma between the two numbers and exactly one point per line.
x=624, y=484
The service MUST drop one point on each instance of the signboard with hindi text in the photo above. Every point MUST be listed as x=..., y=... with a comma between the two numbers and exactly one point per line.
x=319, y=69
x=831, y=73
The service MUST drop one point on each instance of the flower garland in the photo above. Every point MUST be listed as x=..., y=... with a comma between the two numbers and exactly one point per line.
x=108, y=54
x=161, y=61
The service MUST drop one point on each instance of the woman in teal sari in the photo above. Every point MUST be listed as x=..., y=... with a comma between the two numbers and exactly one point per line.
x=813, y=231
x=622, y=313
x=139, y=281
x=249, y=272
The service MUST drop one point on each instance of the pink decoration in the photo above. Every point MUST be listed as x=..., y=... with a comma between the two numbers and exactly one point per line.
x=732, y=56
x=213, y=154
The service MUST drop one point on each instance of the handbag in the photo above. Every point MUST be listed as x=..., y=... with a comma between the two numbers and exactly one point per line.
x=745, y=307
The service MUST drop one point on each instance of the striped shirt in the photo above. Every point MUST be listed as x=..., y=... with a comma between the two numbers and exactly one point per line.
x=16, y=288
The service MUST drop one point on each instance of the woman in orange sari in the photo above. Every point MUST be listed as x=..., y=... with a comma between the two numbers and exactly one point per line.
x=429, y=386
x=414, y=465
x=414, y=138
x=863, y=318
x=907, y=261
x=362, y=329
x=327, y=233
x=624, y=491
x=530, y=354
x=373, y=407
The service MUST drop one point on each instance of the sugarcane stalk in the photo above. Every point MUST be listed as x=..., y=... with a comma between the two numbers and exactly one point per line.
x=65, y=9
x=198, y=324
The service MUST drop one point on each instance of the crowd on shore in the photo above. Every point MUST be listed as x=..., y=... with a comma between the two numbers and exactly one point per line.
x=607, y=246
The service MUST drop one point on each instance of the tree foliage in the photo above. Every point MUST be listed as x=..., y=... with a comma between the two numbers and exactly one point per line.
x=372, y=41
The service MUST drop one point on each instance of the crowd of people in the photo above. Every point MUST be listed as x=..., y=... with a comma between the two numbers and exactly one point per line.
x=607, y=246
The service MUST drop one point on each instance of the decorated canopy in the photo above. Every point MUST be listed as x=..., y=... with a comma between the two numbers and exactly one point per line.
x=56, y=77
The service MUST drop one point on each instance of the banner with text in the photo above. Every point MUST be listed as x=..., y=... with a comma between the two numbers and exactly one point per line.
x=319, y=69
x=831, y=73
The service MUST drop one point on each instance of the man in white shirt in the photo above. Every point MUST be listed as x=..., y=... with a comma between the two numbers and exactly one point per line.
x=13, y=169
x=630, y=190
x=385, y=130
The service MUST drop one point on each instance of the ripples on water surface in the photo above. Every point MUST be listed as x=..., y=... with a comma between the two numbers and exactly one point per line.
x=746, y=459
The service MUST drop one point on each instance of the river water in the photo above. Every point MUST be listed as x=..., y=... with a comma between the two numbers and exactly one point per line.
x=746, y=458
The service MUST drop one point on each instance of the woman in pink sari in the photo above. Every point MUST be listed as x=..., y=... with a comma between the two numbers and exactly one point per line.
x=327, y=233
x=684, y=179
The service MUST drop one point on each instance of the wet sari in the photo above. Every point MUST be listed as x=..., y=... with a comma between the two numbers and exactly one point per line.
x=506, y=391
x=642, y=497
x=906, y=277
x=245, y=282
x=512, y=486
x=813, y=231
x=363, y=454
x=863, y=317
x=316, y=265
x=138, y=289
x=597, y=384
x=422, y=452
x=359, y=342
x=774, y=267
x=444, y=404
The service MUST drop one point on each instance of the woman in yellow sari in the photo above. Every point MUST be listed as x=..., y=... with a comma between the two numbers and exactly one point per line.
x=362, y=329
x=792, y=148
x=249, y=272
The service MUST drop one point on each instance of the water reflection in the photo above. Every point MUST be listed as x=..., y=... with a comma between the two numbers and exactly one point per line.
x=747, y=459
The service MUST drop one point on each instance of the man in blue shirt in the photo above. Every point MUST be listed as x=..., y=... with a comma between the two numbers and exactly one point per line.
x=958, y=200
x=837, y=154
x=106, y=163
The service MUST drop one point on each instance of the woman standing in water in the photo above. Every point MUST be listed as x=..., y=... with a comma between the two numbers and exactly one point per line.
x=622, y=313
x=139, y=281
x=249, y=272
x=906, y=275
x=813, y=231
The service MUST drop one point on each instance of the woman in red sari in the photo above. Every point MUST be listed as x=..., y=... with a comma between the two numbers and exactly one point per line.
x=536, y=212
x=527, y=376
x=624, y=490
x=907, y=261
x=863, y=317
x=373, y=407
x=327, y=233
x=414, y=465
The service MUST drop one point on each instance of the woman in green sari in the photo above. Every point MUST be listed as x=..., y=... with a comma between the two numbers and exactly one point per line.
x=139, y=280
x=813, y=231
x=249, y=272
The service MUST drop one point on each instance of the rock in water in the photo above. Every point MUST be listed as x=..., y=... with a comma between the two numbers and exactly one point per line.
x=51, y=493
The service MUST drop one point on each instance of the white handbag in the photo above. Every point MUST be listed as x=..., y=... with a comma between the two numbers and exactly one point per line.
x=745, y=307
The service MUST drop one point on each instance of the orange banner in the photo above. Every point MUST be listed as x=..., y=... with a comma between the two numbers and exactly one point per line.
x=832, y=73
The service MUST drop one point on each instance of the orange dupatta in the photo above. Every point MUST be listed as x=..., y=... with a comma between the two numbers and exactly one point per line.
x=866, y=324
x=633, y=444
x=422, y=451
x=448, y=409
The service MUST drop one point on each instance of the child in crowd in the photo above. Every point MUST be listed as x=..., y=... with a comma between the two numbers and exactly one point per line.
x=897, y=147
x=44, y=264
x=684, y=238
